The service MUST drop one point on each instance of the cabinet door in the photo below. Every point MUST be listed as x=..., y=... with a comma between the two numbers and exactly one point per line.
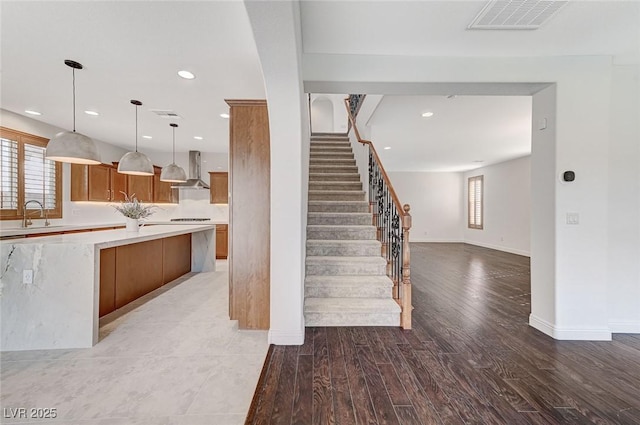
x=222, y=241
x=118, y=185
x=79, y=182
x=107, y=281
x=162, y=191
x=219, y=183
x=99, y=182
x=141, y=186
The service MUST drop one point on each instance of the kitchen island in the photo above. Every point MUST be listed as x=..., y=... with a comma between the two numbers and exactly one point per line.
x=50, y=286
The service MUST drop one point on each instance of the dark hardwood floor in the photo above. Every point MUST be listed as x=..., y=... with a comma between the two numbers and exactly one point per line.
x=471, y=358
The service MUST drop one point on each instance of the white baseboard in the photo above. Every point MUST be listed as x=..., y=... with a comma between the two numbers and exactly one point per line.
x=500, y=248
x=625, y=327
x=286, y=337
x=427, y=240
x=569, y=334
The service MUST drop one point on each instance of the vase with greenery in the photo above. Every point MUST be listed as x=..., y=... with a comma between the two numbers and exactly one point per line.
x=134, y=211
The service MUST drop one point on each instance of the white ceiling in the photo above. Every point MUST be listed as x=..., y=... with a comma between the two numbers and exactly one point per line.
x=438, y=28
x=130, y=50
x=465, y=132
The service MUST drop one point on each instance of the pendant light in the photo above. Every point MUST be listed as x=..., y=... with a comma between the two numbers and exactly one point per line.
x=69, y=146
x=172, y=172
x=135, y=163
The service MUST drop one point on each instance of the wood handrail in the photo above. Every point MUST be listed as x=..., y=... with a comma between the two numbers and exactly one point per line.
x=394, y=196
x=402, y=283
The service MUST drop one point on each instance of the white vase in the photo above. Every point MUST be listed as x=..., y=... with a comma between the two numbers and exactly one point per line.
x=132, y=224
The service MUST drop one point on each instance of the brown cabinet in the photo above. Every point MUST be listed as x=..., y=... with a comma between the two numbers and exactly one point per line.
x=162, y=192
x=219, y=183
x=249, y=214
x=222, y=241
x=128, y=272
x=107, y=281
x=141, y=187
x=101, y=183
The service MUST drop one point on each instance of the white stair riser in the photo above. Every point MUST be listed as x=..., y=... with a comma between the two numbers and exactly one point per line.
x=352, y=319
x=320, y=206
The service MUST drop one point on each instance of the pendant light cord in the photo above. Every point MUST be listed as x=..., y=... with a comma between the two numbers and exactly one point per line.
x=136, y=128
x=73, y=70
x=174, y=145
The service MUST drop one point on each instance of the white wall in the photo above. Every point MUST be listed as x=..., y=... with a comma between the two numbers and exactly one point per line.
x=276, y=29
x=578, y=274
x=321, y=115
x=321, y=122
x=437, y=207
x=623, y=271
x=507, y=207
x=193, y=203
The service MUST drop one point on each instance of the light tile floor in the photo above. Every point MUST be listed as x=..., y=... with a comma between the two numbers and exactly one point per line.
x=175, y=359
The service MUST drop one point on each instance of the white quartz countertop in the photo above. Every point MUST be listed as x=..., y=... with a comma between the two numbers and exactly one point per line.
x=21, y=231
x=111, y=238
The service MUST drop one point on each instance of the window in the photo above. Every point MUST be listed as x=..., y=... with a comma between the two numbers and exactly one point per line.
x=27, y=175
x=475, y=195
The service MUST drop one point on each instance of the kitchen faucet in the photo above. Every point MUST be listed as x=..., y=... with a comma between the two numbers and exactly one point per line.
x=26, y=221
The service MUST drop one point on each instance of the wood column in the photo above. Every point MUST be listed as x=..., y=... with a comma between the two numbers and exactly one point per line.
x=249, y=214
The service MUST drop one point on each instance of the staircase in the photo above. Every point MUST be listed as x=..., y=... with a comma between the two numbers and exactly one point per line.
x=346, y=282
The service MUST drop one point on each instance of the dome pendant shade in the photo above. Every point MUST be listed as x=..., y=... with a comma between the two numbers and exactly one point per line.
x=72, y=147
x=69, y=146
x=135, y=163
x=173, y=173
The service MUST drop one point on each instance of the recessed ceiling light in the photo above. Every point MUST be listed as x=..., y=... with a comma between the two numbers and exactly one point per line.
x=147, y=137
x=198, y=137
x=224, y=115
x=30, y=112
x=427, y=114
x=386, y=148
x=92, y=113
x=186, y=75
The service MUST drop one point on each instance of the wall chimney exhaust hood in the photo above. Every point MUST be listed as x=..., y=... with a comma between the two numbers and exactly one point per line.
x=194, y=181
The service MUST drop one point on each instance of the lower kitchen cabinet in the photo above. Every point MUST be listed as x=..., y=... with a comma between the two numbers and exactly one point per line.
x=107, y=281
x=222, y=241
x=128, y=272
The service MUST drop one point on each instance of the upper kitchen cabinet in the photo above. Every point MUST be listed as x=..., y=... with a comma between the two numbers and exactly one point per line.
x=100, y=183
x=219, y=183
x=162, y=192
x=141, y=187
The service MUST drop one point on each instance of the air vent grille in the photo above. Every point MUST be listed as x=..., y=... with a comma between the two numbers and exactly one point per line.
x=515, y=14
x=168, y=114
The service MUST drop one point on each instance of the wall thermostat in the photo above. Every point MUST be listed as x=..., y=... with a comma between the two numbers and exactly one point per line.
x=568, y=176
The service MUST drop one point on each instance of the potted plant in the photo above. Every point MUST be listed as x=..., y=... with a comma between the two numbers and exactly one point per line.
x=134, y=211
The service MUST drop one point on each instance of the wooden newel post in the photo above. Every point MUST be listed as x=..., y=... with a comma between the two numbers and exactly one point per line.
x=405, y=318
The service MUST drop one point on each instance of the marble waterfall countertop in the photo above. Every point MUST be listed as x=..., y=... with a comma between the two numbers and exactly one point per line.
x=38, y=229
x=50, y=285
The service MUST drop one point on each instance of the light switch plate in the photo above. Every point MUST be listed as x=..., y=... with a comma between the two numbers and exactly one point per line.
x=573, y=218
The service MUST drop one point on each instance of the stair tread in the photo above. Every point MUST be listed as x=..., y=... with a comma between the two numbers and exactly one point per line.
x=319, y=259
x=348, y=280
x=351, y=305
x=343, y=241
x=338, y=214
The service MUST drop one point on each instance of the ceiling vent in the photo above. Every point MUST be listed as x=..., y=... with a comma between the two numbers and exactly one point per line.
x=162, y=113
x=515, y=14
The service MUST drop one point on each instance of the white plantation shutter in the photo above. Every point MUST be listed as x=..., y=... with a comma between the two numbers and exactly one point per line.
x=9, y=174
x=39, y=177
x=27, y=175
x=475, y=195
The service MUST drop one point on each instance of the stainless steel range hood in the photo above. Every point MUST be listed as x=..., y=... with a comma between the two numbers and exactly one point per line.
x=194, y=181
